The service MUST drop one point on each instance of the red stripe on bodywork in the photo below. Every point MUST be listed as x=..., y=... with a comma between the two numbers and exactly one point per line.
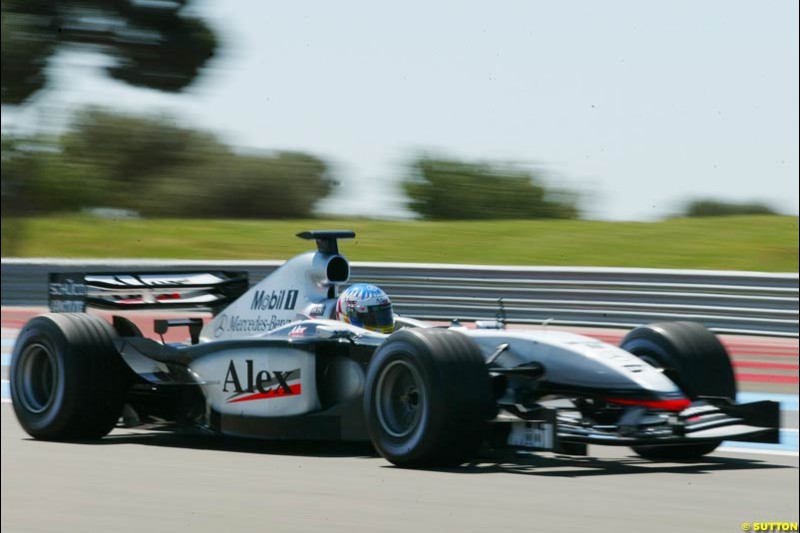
x=277, y=392
x=665, y=405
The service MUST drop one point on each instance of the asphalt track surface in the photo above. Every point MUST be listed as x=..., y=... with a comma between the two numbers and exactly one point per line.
x=144, y=481
x=137, y=481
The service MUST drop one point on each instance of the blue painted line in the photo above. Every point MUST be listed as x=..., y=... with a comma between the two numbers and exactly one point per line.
x=789, y=402
x=5, y=359
x=789, y=443
x=8, y=343
x=6, y=390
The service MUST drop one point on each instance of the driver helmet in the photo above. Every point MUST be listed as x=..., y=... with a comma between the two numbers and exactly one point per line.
x=366, y=306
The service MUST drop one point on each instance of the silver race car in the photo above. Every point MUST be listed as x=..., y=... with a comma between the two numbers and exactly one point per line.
x=298, y=356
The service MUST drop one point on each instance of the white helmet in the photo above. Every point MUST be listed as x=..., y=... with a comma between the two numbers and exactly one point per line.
x=366, y=306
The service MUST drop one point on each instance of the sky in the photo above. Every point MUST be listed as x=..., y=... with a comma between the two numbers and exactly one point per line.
x=638, y=105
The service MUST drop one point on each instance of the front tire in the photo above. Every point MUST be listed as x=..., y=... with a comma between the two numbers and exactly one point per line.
x=67, y=379
x=695, y=360
x=427, y=398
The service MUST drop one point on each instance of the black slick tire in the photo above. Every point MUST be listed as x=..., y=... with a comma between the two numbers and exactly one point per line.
x=695, y=360
x=67, y=380
x=427, y=398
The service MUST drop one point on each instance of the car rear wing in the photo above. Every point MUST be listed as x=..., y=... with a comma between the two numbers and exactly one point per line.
x=202, y=291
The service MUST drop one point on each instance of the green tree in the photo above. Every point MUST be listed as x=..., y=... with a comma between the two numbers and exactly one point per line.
x=272, y=185
x=450, y=189
x=132, y=157
x=720, y=208
x=154, y=167
x=153, y=44
x=37, y=178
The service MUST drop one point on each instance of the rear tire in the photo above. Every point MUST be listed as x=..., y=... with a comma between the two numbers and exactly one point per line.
x=695, y=360
x=67, y=380
x=427, y=398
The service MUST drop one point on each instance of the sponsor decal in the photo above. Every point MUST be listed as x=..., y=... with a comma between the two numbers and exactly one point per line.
x=298, y=331
x=222, y=325
x=276, y=300
x=250, y=324
x=147, y=280
x=67, y=306
x=317, y=310
x=67, y=293
x=250, y=385
x=156, y=282
x=68, y=287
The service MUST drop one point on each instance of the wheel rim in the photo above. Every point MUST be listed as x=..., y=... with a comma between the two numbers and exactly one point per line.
x=401, y=400
x=37, y=378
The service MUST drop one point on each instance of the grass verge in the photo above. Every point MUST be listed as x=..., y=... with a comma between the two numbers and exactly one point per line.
x=758, y=243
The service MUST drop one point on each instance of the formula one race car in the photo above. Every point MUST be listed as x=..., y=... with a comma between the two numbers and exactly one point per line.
x=274, y=364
